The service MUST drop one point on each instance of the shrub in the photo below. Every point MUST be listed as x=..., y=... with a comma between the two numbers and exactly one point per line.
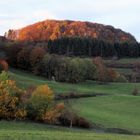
x=41, y=105
x=4, y=76
x=52, y=115
x=27, y=95
x=40, y=102
x=10, y=101
x=70, y=118
x=82, y=122
x=3, y=65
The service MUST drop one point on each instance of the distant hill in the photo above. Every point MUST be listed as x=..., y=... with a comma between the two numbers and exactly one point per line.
x=54, y=29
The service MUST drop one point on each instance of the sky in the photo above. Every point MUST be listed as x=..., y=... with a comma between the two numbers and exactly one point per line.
x=123, y=14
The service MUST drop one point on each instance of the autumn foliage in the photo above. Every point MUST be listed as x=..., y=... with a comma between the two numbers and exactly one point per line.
x=3, y=65
x=105, y=74
x=10, y=100
x=39, y=102
x=53, y=114
x=54, y=29
x=36, y=103
x=41, y=105
x=36, y=56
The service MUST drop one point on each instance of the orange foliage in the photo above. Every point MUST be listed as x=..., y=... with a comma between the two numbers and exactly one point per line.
x=3, y=65
x=51, y=116
x=54, y=29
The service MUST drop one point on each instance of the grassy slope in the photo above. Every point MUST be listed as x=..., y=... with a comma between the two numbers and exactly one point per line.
x=120, y=109
x=25, y=80
x=111, y=111
x=32, y=131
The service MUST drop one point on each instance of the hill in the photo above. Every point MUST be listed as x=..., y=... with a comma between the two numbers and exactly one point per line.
x=55, y=29
x=103, y=110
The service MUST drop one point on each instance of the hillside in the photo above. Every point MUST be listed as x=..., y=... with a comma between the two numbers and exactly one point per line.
x=103, y=110
x=54, y=29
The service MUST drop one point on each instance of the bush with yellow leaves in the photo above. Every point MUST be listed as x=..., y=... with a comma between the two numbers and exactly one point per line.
x=36, y=103
x=10, y=103
x=40, y=102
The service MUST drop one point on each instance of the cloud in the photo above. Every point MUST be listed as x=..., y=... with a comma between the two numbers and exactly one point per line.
x=41, y=15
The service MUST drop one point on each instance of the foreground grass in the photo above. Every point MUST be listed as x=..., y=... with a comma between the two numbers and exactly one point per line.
x=32, y=131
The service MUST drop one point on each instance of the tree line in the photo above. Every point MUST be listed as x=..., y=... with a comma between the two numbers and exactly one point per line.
x=57, y=67
x=89, y=47
x=79, y=46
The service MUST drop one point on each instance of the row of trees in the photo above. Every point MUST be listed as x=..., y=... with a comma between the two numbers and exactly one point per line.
x=66, y=69
x=59, y=68
x=92, y=47
x=56, y=67
x=76, y=46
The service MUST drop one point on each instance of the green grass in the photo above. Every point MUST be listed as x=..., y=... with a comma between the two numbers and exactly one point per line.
x=124, y=60
x=25, y=80
x=32, y=131
x=119, y=111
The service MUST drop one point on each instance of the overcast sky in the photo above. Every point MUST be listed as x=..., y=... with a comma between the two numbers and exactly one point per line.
x=124, y=14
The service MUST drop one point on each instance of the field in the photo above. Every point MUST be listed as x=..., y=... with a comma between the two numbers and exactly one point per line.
x=34, y=131
x=25, y=80
x=118, y=109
